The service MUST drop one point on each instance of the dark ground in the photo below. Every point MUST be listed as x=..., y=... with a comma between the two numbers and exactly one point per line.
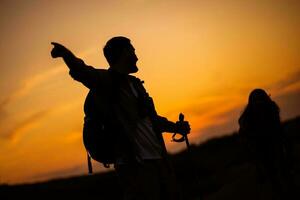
x=214, y=170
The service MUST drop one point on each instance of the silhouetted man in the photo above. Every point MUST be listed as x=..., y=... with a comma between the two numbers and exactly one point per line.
x=141, y=162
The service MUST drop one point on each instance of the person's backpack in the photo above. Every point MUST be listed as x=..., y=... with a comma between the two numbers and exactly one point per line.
x=99, y=131
x=101, y=128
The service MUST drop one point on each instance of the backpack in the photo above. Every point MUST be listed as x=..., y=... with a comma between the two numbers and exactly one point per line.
x=99, y=130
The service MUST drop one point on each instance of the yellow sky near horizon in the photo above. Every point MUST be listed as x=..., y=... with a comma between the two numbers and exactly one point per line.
x=201, y=58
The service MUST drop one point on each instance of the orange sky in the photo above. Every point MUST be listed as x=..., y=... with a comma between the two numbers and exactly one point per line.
x=201, y=58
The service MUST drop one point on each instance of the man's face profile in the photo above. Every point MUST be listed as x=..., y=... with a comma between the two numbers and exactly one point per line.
x=128, y=59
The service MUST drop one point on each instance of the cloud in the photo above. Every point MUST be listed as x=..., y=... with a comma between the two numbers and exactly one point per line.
x=16, y=132
x=289, y=104
x=286, y=82
x=3, y=113
x=26, y=86
x=36, y=80
x=60, y=173
x=65, y=172
x=219, y=115
x=74, y=136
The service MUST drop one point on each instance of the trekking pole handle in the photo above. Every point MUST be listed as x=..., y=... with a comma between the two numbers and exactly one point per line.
x=174, y=139
x=181, y=117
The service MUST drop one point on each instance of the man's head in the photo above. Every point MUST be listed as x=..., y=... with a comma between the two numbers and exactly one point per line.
x=120, y=55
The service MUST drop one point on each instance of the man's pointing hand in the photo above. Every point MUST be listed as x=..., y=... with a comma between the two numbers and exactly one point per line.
x=58, y=50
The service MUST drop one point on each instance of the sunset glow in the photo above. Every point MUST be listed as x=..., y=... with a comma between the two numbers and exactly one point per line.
x=201, y=58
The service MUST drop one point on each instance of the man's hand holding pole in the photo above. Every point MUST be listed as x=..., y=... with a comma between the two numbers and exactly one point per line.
x=182, y=128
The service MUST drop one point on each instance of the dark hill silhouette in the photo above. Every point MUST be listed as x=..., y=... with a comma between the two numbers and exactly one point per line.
x=219, y=163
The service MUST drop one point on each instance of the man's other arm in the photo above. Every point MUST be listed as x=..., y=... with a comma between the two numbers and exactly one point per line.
x=164, y=125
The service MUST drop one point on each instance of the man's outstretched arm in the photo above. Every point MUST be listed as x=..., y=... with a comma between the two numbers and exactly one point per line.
x=78, y=69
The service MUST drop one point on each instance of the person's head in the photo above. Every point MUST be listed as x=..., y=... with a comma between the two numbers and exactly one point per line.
x=258, y=96
x=259, y=102
x=120, y=55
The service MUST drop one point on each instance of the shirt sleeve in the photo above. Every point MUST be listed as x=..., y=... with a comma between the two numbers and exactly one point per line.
x=87, y=75
x=164, y=125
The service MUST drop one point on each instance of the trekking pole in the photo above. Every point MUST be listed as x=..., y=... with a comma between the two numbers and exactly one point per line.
x=184, y=136
x=186, y=139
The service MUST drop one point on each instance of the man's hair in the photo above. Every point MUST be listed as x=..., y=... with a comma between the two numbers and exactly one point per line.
x=113, y=48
